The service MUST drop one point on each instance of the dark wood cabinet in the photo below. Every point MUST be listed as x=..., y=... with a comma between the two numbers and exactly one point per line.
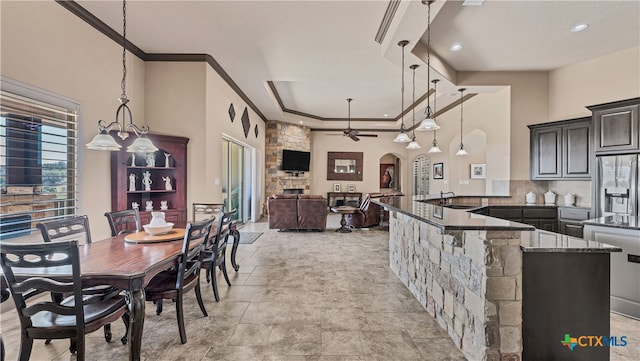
x=124, y=165
x=616, y=126
x=570, y=218
x=546, y=152
x=561, y=150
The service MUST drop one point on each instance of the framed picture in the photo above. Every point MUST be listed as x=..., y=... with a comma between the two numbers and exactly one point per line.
x=387, y=179
x=438, y=171
x=351, y=188
x=336, y=187
x=478, y=171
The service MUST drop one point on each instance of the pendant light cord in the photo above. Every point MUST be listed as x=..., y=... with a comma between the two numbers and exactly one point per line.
x=435, y=109
x=427, y=110
x=461, y=115
x=123, y=83
x=413, y=107
x=402, y=92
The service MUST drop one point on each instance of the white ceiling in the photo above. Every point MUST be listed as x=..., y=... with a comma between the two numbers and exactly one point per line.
x=318, y=53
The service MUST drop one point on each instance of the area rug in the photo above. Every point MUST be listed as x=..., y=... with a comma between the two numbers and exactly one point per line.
x=247, y=237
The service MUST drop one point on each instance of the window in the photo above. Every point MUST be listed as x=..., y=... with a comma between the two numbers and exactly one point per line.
x=38, y=159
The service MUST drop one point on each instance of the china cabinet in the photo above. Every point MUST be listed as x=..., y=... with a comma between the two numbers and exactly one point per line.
x=150, y=181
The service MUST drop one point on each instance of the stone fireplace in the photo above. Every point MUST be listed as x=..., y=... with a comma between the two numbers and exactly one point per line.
x=281, y=136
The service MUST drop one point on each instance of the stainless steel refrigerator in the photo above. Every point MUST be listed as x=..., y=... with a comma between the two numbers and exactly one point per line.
x=617, y=185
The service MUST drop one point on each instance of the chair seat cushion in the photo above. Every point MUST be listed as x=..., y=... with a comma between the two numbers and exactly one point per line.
x=163, y=285
x=93, y=310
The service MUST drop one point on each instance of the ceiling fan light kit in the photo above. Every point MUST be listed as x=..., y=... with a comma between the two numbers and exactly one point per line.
x=402, y=137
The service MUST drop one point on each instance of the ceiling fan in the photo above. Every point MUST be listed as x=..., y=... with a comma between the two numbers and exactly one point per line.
x=353, y=133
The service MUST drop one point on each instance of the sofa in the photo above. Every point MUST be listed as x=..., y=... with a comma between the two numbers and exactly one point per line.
x=297, y=212
x=368, y=214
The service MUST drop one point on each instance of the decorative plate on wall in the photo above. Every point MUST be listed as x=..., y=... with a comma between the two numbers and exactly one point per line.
x=246, y=124
x=232, y=112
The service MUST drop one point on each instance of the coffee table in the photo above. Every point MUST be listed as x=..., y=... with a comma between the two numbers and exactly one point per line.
x=343, y=223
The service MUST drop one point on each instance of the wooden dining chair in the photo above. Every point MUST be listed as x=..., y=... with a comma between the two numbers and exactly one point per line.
x=71, y=318
x=215, y=252
x=77, y=228
x=203, y=211
x=123, y=222
x=172, y=284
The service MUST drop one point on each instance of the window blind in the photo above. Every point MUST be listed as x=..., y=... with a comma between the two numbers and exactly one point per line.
x=38, y=163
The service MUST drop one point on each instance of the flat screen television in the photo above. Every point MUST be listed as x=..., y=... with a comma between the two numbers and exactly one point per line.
x=295, y=160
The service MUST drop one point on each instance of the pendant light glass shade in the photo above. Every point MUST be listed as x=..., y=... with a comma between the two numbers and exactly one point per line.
x=142, y=144
x=429, y=123
x=103, y=141
x=434, y=148
x=461, y=151
x=413, y=144
x=402, y=137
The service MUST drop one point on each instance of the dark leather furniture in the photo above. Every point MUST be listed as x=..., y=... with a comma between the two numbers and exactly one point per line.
x=297, y=212
x=368, y=214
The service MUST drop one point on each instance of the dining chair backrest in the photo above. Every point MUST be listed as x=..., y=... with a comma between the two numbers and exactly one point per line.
x=66, y=229
x=191, y=257
x=203, y=211
x=50, y=256
x=124, y=222
x=219, y=241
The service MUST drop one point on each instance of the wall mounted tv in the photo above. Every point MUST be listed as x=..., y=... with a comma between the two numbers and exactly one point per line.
x=295, y=160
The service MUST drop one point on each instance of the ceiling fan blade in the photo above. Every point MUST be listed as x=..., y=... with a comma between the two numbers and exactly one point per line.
x=354, y=137
x=368, y=135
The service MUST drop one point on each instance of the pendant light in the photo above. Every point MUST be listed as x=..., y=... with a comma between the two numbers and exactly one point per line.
x=103, y=140
x=434, y=147
x=461, y=151
x=413, y=144
x=429, y=122
x=402, y=137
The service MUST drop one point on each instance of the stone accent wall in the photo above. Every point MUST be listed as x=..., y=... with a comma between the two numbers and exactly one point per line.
x=281, y=136
x=469, y=281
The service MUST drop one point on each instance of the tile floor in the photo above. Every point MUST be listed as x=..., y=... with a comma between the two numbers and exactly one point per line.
x=297, y=297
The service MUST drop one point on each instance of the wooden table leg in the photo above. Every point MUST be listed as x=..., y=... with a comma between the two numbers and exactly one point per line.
x=236, y=241
x=135, y=301
x=343, y=225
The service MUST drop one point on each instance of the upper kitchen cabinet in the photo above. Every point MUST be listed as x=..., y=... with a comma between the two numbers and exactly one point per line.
x=616, y=126
x=561, y=150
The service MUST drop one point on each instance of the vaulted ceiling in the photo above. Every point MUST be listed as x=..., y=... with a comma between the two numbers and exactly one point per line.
x=299, y=60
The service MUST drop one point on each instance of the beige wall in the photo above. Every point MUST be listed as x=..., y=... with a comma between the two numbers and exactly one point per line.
x=191, y=100
x=84, y=66
x=609, y=78
x=186, y=99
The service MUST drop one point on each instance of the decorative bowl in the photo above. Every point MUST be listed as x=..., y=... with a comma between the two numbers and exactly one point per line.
x=158, y=230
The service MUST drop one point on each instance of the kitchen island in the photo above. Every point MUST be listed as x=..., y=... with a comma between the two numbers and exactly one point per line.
x=483, y=280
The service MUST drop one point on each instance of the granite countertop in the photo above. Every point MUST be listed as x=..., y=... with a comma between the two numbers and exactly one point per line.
x=449, y=219
x=533, y=240
x=619, y=221
x=545, y=241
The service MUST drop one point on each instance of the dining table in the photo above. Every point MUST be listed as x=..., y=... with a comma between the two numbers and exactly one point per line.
x=126, y=265
x=129, y=266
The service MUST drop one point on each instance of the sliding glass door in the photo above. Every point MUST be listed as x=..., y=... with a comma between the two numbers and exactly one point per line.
x=236, y=178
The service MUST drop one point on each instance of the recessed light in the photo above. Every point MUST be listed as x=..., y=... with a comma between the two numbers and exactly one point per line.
x=386, y=115
x=579, y=27
x=456, y=47
x=301, y=122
